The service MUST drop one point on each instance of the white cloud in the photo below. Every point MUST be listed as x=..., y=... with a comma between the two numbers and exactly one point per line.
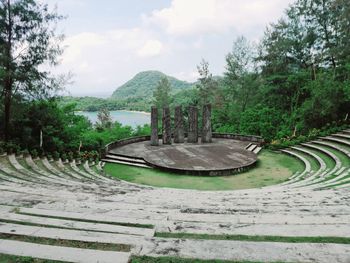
x=190, y=76
x=151, y=48
x=185, y=17
x=171, y=39
x=76, y=44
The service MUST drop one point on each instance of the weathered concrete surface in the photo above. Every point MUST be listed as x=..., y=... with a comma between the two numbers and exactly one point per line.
x=61, y=253
x=64, y=223
x=179, y=133
x=281, y=210
x=192, y=124
x=221, y=154
x=154, y=126
x=166, y=120
x=206, y=124
x=250, y=251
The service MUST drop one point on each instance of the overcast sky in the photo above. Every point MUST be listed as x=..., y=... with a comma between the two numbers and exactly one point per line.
x=108, y=42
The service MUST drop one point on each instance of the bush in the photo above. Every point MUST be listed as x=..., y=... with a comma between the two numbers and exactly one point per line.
x=70, y=156
x=25, y=152
x=34, y=153
x=64, y=157
x=12, y=148
x=56, y=155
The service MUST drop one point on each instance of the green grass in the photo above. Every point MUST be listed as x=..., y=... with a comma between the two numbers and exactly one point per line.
x=146, y=259
x=313, y=162
x=22, y=161
x=17, y=259
x=272, y=168
x=342, y=156
x=327, y=159
x=67, y=243
x=287, y=239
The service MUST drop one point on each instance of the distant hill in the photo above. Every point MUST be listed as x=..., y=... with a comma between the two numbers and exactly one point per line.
x=142, y=85
x=136, y=94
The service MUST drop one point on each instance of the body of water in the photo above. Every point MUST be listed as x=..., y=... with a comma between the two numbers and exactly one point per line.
x=130, y=118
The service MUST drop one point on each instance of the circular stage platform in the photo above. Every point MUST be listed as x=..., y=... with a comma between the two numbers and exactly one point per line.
x=221, y=157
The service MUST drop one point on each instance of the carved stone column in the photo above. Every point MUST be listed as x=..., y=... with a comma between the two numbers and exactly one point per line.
x=192, y=125
x=154, y=126
x=166, y=126
x=179, y=136
x=206, y=124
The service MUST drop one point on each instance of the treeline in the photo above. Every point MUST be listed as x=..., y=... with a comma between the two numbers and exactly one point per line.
x=43, y=127
x=294, y=82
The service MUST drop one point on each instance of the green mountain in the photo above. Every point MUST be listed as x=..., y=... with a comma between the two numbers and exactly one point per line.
x=144, y=83
x=136, y=94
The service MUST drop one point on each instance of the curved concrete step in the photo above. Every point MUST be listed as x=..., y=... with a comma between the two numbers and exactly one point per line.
x=336, y=168
x=344, y=142
x=125, y=159
x=341, y=135
x=320, y=172
x=297, y=176
x=127, y=163
x=68, y=254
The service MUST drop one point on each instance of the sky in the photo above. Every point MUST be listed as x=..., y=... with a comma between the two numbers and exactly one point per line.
x=108, y=42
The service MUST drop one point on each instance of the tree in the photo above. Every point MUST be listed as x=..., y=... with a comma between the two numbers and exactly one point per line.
x=27, y=41
x=207, y=85
x=161, y=95
x=241, y=78
x=104, y=119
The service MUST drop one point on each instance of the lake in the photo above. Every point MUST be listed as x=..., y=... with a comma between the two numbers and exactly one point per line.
x=130, y=118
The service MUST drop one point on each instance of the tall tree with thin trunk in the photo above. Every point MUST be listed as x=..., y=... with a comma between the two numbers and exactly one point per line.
x=27, y=41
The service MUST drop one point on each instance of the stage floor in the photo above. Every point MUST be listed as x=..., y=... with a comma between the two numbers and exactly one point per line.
x=208, y=159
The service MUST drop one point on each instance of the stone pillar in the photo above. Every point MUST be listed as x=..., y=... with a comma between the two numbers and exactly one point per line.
x=179, y=136
x=206, y=124
x=166, y=126
x=154, y=126
x=192, y=125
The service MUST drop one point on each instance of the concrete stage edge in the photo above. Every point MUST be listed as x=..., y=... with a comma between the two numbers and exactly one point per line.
x=226, y=155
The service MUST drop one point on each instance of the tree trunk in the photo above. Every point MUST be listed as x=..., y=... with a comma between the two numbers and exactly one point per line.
x=7, y=102
x=8, y=83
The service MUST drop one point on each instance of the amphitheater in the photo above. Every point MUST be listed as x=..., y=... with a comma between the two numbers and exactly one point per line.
x=43, y=199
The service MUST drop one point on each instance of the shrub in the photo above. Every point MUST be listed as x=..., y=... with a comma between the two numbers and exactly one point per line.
x=56, y=155
x=25, y=152
x=12, y=148
x=34, y=153
x=70, y=156
x=64, y=157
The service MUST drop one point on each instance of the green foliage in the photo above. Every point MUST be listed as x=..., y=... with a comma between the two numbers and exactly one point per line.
x=144, y=84
x=302, y=82
x=104, y=119
x=142, y=130
x=207, y=85
x=27, y=41
x=161, y=95
x=261, y=121
x=92, y=104
x=137, y=93
x=34, y=153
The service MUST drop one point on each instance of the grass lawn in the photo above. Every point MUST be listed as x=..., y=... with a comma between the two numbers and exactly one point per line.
x=145, y=259
x=272, y=168
x=15, y=259
x=286, y=239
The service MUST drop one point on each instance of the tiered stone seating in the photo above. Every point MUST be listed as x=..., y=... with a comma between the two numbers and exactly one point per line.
x=76, y=202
